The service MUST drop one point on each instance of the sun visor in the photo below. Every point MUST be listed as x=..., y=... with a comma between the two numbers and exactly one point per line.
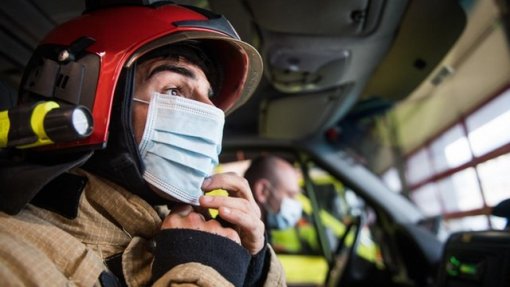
x=299, y=116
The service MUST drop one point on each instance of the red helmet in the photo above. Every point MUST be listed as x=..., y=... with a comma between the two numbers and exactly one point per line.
x=84, y=61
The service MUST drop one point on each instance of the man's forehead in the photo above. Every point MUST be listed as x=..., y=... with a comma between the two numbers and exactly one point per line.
x=149, y=65
x=155, y=68
x=191, y=75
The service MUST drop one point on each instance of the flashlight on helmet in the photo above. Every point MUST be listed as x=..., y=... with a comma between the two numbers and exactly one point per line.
x=42, y=124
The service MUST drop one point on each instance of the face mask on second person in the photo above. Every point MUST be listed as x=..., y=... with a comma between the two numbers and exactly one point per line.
x=287, y=217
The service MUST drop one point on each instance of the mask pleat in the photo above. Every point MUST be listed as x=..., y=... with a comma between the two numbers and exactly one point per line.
x=206, y=128
x=183, y=157
x=195, y=144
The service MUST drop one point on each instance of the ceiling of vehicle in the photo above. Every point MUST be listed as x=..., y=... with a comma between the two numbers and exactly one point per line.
x=322, y=62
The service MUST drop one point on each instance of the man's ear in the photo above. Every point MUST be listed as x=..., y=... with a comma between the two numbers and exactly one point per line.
x=261, y=190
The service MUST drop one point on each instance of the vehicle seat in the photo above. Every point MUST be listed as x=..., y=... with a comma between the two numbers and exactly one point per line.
x=421, y=252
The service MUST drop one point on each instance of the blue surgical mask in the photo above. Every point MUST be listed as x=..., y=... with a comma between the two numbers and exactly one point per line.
x=180, y=145
x=287, y=217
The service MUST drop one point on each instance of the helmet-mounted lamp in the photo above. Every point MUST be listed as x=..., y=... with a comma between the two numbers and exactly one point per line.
x=42, y=124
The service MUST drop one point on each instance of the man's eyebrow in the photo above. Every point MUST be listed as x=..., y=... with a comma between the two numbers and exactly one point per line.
x=172, y=68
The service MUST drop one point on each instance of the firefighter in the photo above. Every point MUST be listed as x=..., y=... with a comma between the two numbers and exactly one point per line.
x=274, y=183
x=112, y=145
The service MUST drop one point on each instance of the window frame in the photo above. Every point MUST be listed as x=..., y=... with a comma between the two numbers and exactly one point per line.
x=475, y=161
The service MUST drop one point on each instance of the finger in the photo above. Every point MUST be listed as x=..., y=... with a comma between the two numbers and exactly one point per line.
x=207, y=201
x=230, y=202
x=232, y=183
x=244, y=216
x=232, y=235
x=204, y=211
x=182, y=210
x=213, y=226
x=251, y=229
x=196, y=221
x=246, y=221
x=182, y=216
x=235, y=185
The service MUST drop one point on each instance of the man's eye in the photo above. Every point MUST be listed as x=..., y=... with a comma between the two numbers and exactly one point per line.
x=173, y=92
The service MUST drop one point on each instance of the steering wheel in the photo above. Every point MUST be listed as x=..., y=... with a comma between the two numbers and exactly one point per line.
x=342, y=257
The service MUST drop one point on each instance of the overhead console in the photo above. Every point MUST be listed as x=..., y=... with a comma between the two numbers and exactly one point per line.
x=311, y=48
x=314, y=46
x=317, y=56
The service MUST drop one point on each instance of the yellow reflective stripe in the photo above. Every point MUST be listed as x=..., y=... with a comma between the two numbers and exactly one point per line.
x=368, y=252
x=37, y=123
x=37, y=118
x=308, y=235
x=331, y=222
x=367, y=248
x=5, y=125
x=285, y=239
x=304, y=269
x=322, y=180
x=305, y=203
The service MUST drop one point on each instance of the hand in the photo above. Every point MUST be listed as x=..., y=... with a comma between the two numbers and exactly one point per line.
x=239, y=209
x=185, y=217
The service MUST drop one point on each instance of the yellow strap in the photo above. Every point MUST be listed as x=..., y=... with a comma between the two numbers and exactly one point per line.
x=216, y=192
x=5, y=125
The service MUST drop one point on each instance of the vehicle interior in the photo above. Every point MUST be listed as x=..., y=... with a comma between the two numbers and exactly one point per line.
x=395, y=114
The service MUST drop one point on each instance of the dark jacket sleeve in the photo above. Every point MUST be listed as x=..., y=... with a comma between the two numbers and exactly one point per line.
x=179, y=246
x=259, y=267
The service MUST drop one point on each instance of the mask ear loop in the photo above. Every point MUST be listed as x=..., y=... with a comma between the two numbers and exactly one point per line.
x=141, y=101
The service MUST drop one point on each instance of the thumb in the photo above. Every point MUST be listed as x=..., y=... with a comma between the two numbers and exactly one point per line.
x=182, y=210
